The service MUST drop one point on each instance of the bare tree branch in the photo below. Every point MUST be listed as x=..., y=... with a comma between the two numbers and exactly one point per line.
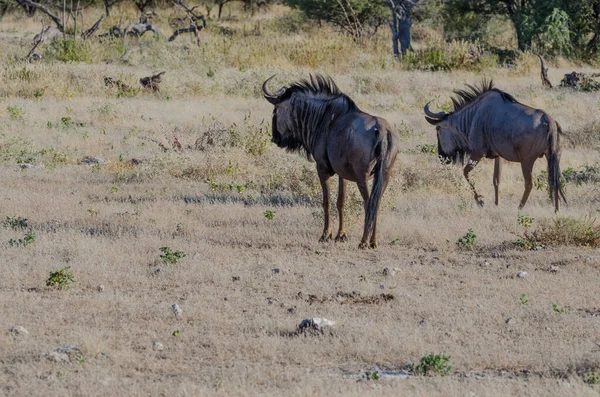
x=38, y=39
x=46, y=11
x=90, y=32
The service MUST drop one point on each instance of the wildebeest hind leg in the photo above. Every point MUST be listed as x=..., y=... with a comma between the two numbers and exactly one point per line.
x=526, y=167
x=363, y=188
x=324, y=179
x=341, y=235
x=497, y=174
x=468, y=168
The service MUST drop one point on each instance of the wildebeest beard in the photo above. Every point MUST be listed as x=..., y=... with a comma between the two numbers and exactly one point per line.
x=459, y=154
x=287, y=142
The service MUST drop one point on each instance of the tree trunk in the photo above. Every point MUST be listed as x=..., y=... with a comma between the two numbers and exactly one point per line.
x=220, y=10
x=404, y=34
x=106, y=8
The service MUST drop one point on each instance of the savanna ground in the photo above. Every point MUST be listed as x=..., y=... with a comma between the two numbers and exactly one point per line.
x=105, y=180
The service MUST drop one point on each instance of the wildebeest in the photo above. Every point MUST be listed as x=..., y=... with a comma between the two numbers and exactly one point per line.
x=314, y=116
x=487, y=122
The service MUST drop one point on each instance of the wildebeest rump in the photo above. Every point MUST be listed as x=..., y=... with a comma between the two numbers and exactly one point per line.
x=314, y=116
x=487, y=122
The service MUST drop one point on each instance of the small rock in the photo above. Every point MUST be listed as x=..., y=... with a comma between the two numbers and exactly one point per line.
x=235, y=278
x=276, y=270
x=28, y=165
x=522, y=274
x=291, y=310
x=315, y=324
x=100, y=288
x=495, y=255
x=176, y=310
x=552, y=269
x=157, y=346
x=17, y=329
x=225, y=299
x=509, y=321
x=92, y=160
x=486, y=263
x=389, y=271
x=57, y=357
x=196, y=256
x=157, y=272
x=381, y=286
x=422, y=322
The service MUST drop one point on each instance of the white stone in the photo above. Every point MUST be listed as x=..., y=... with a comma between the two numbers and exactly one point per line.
x=100, y=288
x=522, y=274
x=17, y=329
x=57, y=357
x=315, y=323
x=176, y=310
x=157, y=346
x=390, y=271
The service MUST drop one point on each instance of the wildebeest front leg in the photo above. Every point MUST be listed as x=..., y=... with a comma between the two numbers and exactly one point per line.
x=341, y=236
x=324, y=178
x=497, y=174
x=468, y=168
x=526, y=167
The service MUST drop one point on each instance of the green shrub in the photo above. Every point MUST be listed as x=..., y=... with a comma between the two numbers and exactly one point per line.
x=169, y=256
x=434, y=364
x=15, y=222
x=468, y=240
x=69, y=50
x=563, y=231
x=61, y=279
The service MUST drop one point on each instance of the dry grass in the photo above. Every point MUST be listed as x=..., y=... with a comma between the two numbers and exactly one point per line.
x=208, y=199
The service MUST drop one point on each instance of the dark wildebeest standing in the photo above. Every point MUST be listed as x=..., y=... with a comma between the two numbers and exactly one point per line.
x=314, y=116
x=487, y=122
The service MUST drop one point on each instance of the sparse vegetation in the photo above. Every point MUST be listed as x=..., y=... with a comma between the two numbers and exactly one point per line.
x=61, y=279
x=28, y=239
x=468, y=240
x=171, y=257
x=191, y=168
x=434, y=364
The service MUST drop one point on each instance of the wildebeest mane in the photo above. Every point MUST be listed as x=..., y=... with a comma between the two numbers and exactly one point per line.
x=468, y=95
x=315, y=105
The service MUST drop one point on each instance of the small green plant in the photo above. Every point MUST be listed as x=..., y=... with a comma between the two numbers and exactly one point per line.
x=558, y=309
x=428, y=149
x=434, y=364
x=169, y=256
x=270, y=214
x=468, y=240
x=592, y=378
x=372, y=375
x=175, y=333
x=524, y=300
x=61, y=279
x=15, y=112
x=28, y=239
x=525, y=221
x=15, y=222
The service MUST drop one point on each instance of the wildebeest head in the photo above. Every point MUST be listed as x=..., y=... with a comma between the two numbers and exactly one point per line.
x=453, y=146
x=281, y=132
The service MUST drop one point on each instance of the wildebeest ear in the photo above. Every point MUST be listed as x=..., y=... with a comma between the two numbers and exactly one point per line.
x=431, y=121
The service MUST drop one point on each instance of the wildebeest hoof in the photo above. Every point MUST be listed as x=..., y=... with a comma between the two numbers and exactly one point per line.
x=325, y=238
x=373, y=245
x=363, y=245
x=341, y=238
x=479, y=200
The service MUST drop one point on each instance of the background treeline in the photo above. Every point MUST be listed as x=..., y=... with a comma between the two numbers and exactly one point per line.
x=551, y=27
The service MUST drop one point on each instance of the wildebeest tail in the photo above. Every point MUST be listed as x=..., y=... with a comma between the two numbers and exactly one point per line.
x=385, y=156
x=556, y=188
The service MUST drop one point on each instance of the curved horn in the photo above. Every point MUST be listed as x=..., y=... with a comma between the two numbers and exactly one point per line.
x=433, y=117
x=269, y=96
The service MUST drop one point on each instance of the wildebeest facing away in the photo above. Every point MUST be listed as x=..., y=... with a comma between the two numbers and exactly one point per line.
x=487, y=122
x=314, y=116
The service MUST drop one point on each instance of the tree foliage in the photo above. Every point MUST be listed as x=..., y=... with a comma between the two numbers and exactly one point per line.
x=359, y=18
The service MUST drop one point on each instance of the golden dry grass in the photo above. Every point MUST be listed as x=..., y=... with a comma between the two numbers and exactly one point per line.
x=108, y=221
